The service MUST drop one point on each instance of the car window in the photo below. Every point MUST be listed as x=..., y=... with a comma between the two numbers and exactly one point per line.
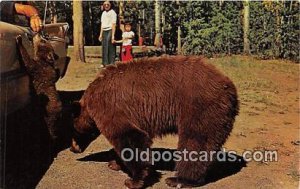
x=21, y=20
x=55, y=32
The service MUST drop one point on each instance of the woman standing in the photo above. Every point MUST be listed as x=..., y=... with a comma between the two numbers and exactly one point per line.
x=107, y=33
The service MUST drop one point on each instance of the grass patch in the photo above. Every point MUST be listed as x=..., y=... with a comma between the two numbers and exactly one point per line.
x=257, y=81
x=252, y=77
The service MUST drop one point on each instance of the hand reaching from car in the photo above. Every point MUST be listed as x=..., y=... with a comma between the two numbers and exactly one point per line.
x=32, y=13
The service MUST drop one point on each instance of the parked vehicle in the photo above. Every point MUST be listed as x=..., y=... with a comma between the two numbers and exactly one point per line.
x=15, y=92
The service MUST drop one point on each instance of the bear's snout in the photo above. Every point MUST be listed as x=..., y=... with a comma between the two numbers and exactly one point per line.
x=75, y=147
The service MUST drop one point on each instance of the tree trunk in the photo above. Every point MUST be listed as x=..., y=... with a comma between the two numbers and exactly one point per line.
x=91, y=21
x=179, y=40
x=157, y=24
x=278, y=34
x=178, y=32
x=246, y=27
x=53, y=14
x=221, y=3
x=121, y=16
x=78, y=31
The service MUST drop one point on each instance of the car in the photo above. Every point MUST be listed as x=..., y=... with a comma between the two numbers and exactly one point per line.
x=15, y=92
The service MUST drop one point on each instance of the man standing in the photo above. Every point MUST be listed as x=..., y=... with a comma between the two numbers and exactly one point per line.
x=107, y=33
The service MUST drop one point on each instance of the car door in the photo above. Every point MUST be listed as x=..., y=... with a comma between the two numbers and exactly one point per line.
x=15, y=92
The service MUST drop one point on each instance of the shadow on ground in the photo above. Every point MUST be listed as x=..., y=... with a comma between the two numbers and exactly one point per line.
x=25, y=141
x=29, y=152
x=27, y=148
x=229, y=164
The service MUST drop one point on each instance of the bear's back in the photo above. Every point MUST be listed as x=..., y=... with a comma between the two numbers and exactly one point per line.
x=175, y=74
x=157, y=91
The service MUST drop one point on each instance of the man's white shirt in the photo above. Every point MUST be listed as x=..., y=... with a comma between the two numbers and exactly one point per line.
x=108, y=18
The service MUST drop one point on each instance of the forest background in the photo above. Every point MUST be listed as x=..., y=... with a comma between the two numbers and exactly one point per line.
x=267, y=29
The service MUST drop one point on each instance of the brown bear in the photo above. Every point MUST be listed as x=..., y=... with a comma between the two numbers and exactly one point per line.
x=130, y=104
x=43, y=75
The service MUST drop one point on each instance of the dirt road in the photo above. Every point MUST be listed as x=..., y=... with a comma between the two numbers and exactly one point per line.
x=268, y=120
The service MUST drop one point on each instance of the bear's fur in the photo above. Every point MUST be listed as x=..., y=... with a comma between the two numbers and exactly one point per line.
x=130, y=104
x=43, y=75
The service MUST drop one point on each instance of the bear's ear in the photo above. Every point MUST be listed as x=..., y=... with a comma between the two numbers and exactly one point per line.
x=52, y=57
x=75, y=108
x=56, y=57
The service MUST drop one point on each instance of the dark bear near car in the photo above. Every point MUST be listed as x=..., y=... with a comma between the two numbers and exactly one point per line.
x=130, y=104
x=43, y=76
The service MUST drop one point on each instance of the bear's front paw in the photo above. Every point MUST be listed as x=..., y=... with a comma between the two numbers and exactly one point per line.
x=173, y=182
x=182, y=183
x=19, y=39
x=134, y=184
x=113, y=165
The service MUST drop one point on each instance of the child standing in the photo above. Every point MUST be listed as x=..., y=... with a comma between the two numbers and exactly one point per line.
x=126, y=49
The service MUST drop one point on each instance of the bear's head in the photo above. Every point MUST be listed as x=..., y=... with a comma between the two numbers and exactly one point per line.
x=84, y=131
x=43, y=50
x=81, y=141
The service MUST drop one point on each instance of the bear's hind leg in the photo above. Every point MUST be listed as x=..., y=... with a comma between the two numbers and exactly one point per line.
x=190, y=171
x=49, y=99
x=201, y=141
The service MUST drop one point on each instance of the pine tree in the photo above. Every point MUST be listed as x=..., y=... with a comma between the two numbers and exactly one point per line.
x=78, y=31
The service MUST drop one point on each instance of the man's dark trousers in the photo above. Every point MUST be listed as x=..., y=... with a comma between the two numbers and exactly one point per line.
x=108, y=49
